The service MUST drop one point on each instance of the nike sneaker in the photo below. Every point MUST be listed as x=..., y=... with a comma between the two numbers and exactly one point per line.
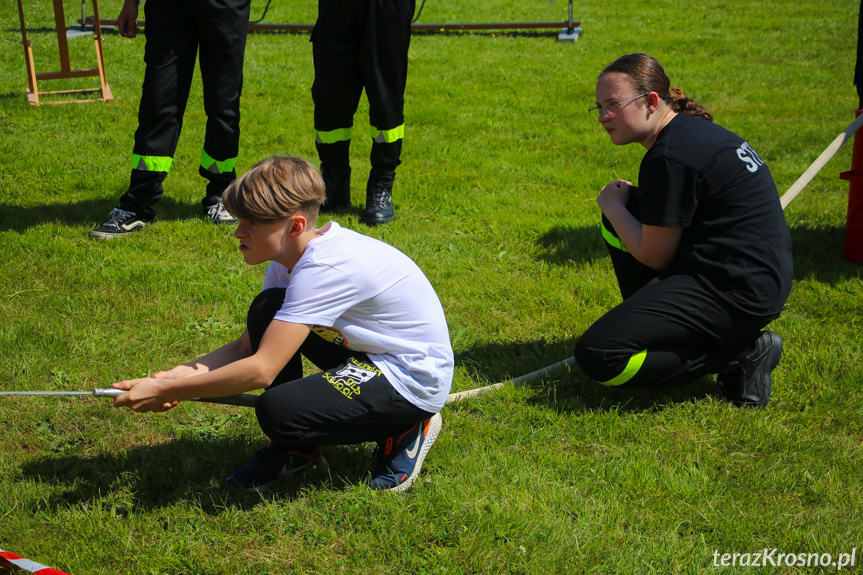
x=271, y=463
x=399, y=459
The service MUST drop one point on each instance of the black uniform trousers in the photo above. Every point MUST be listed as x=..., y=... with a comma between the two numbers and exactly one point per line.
x=351, y=401
x=361, y=44
x=176, y=30
x=670, y=329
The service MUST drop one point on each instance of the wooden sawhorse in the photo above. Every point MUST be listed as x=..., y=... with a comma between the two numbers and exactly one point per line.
x=66, y=70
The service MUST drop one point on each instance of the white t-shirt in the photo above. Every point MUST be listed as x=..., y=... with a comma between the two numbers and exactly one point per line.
x=370, y=297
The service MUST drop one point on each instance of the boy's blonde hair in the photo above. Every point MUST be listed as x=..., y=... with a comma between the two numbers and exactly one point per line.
x=275, y=189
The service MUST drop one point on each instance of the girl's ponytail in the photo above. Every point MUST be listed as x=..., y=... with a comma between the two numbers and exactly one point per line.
x=681, y=104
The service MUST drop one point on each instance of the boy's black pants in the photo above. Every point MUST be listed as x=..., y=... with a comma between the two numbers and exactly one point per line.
x=668, y=331
x=351, y=401
x=361, y=44
x=176, y=31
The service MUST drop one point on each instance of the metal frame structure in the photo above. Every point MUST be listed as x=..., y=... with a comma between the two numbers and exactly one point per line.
x=570, y=29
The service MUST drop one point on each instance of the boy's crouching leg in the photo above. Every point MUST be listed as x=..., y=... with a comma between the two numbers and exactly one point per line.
x=261, y=312
x=279, y=420
x=279, y=458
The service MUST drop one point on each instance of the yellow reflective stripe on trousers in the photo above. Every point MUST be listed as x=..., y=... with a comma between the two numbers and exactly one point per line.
x=612, y=240
x=633, y=365
x=152, y=163
x=388, y=136
x=217, y=166
x=333, y=136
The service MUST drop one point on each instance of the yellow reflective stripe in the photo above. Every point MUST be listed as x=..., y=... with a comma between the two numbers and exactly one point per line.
x=152, y=163
x=633, y=365
x=333, y=136
x=388, y=136
x=217, y=166
x=612, y=240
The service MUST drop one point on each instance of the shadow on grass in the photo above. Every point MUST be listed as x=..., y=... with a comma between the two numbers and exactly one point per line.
x=88, y=212
x=573, y=392
x=186, y=469
x=562, y=245
x=819, y=253
x=568, y=389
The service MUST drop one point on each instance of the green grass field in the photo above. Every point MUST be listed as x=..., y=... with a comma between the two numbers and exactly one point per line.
x=495, y=201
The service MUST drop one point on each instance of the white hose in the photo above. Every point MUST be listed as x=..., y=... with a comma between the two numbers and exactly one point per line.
x=517, y=381
x=821, y=161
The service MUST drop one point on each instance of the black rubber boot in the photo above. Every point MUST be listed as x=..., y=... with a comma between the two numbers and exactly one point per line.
x=379, y=198
x=338, y=189
x=747, y=381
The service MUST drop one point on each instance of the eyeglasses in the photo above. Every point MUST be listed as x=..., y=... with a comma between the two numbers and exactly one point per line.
x=612, y=109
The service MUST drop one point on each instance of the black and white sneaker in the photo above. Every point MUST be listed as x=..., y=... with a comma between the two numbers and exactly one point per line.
x=219, y=215
x=120, y=223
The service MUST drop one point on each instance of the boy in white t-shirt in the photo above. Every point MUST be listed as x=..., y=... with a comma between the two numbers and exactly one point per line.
x=359, y=309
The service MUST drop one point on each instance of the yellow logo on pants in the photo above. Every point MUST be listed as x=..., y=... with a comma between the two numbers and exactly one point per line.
x=348, y=379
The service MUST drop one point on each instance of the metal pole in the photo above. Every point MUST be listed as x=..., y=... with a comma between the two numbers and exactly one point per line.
x=243, y=400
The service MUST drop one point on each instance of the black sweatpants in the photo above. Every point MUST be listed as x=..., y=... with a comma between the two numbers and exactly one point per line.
x=351, y=401
x=361, y=44
x=668, y=331
x=176, y=30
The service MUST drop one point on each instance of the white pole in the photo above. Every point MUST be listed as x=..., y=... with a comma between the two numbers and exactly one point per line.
x=821, y=161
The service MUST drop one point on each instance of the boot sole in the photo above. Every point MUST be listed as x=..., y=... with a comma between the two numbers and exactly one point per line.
x=376, y=221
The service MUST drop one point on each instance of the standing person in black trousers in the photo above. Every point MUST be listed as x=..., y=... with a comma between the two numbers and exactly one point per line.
x=176, y=31
x=700, y=248
x=361, y=44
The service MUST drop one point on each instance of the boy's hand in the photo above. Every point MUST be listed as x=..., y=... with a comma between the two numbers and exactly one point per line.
x=142, y=395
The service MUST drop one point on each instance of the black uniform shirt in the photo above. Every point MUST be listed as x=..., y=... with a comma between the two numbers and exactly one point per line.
x=701, y=177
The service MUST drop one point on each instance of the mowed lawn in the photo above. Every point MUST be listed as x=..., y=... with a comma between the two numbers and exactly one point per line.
x=495, y=201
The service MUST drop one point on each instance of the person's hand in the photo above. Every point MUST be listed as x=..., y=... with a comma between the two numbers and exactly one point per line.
x=142, y=395
x=617, y=192
x=127, y=21
x=177, y=372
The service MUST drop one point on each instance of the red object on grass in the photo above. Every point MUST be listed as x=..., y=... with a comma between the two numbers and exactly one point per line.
x=13, y=560
x=854, y=219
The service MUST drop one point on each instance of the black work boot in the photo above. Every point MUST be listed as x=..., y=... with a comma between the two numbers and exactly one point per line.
x=746, y=382
x=338, y=189
x=379, y=198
